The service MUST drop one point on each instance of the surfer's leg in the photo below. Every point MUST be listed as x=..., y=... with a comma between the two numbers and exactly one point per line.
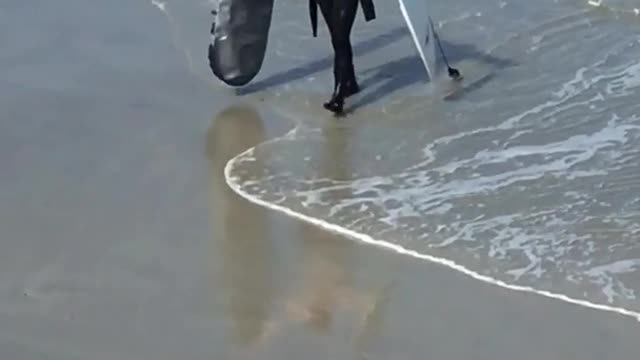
x=345, y=19
x=345, y=25
x=343, y=15
x=326, y=8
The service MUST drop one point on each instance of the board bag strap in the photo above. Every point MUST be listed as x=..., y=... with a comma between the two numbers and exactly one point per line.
x=368, y=9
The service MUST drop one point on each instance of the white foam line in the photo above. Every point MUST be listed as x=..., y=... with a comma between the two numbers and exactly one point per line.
x=401, y=250
x=635, y=11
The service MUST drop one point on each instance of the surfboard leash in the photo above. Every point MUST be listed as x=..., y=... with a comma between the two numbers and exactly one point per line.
x=453, y=72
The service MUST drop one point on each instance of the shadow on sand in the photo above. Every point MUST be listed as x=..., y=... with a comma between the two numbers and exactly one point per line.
x=390, y=77
x=397, y=74
x=316, y=66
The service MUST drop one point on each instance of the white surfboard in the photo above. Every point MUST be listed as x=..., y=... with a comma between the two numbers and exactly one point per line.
x=416, y=14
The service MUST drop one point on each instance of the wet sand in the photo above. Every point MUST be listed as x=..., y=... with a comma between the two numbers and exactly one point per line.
x=196, y=271
x=120, y=239
x=300, y=292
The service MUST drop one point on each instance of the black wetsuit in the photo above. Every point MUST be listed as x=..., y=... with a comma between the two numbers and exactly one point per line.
x=340, y=16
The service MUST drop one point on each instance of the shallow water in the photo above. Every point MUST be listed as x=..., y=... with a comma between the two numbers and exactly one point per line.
x=120, y=237
x=530, y=175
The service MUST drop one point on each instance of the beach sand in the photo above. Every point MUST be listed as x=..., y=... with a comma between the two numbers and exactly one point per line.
x=120, y=239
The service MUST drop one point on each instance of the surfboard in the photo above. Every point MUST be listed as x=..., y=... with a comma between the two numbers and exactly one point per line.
x=239, y=36
x=416, y=15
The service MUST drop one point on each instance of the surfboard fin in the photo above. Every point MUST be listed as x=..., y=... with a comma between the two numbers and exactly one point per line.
x=454, y=74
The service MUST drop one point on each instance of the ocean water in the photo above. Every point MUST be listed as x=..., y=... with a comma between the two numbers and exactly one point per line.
x=529, y=175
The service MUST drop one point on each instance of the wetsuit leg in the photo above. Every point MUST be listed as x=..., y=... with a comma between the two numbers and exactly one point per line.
x=326, y=8
x=343, y=17
x=340, y=16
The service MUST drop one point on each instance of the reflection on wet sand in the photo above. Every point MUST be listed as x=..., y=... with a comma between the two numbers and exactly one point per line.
x=240, y=228
x=320, y=289
x=326, y=284
x=328, y=290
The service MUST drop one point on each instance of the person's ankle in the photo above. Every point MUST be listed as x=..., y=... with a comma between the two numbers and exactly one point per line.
x=351, y=88
x=336, y=103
